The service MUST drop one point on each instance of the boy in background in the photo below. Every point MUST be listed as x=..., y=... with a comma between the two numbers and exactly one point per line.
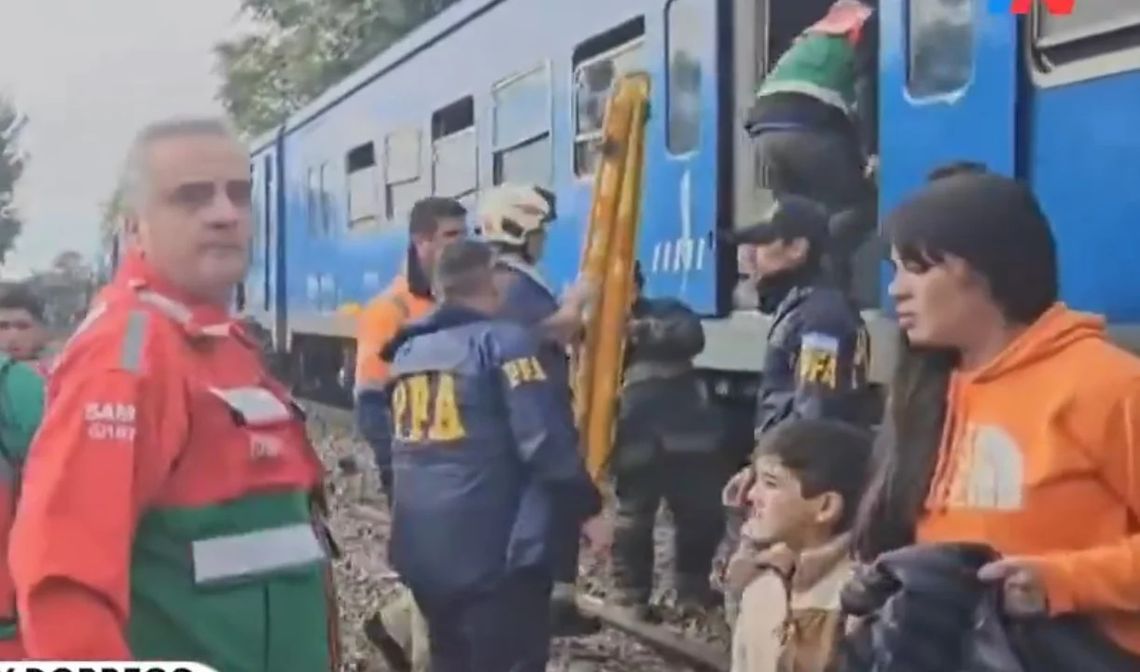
x=24, y=334
x=794, y=554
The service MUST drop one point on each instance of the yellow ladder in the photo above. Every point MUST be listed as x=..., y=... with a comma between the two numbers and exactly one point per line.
x=607, y=263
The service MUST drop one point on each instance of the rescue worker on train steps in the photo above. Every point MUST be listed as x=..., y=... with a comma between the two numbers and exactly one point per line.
x=485, y=458
x=514, y=218
x=170, y=503
x=667, y=446
x=432, y=223
x=815, y=362
x=815, y=121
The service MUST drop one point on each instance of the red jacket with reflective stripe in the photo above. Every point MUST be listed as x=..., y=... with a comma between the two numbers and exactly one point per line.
x=131, y=424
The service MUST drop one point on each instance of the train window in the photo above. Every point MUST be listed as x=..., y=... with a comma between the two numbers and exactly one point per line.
x=683, y=43
x=522, y=149
x=528, y=162
x=312, y=199
x=1088, y=19
x=402, y=174
x=598, y=63
x=317, y=200
x=940, y=44
x=455, y=168
x=256, y=210
x=1094, y=28
x=324, y=216
x=363, y=195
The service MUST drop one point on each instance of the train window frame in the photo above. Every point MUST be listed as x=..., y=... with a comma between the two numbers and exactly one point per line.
x=400, y=183
x=369, y=215
x=1108, y=48
x=670, y=114
x=313, y=199
x=256, y=211
x=326, y=200
x=442, y=136
x=940, y=94
x=592, y=139
x=541, y=135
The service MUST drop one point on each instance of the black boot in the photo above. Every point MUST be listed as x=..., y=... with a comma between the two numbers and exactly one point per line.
x=694, y=594
x=566, y=619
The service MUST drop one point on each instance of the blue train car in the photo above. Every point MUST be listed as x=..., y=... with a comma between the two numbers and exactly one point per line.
x=497, y=90
x=1053, y=100
x=509, y=90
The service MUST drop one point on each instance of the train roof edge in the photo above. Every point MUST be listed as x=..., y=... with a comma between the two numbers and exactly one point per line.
x=407, y=46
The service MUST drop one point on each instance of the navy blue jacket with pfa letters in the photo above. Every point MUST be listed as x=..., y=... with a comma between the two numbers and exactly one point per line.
x=815, y=365
x=484, y=454
x=528, y=300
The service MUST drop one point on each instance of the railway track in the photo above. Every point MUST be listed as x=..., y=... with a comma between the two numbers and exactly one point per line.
x=364, y=580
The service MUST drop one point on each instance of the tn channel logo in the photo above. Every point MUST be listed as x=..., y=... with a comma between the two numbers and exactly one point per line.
x=102, y=666
x=1056, y=7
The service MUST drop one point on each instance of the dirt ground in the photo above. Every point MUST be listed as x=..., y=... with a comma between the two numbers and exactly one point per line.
x=364, y=579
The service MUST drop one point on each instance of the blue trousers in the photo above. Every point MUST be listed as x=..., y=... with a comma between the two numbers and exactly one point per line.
x=506, y=629
x=374, y=422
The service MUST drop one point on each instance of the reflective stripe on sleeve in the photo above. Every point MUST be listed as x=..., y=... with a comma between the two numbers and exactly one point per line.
x=256, y=405
x=253, y=553
x=134, y=340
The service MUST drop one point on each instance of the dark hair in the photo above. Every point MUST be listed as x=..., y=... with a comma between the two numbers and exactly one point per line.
x=957, y=168
x=993, y=223
x=906, y=450
x=997, y=227
x=826, y=456
x=426, y=213
x=21, y=297
x=463, y=268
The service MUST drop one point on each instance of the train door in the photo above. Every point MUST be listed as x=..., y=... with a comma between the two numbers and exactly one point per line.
x=948, y=90
x=275, y=228
x=678, y=224
x=258, y=296
x=762, y=30
x=249, y=300
x=268, y=210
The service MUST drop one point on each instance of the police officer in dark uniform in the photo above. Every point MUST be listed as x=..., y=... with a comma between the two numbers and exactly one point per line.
x=818, y=350
x=513, y=218
x=485, y=460
x=667, y=447
x=815, y=363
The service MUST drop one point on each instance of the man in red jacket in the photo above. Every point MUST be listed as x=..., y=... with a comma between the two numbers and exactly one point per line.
x=168, y=507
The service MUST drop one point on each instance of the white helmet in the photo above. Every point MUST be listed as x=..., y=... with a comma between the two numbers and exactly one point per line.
x=508, y=212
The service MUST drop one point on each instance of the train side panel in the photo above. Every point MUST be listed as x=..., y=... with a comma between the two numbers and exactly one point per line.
x=1082, y=152
x=441, y=121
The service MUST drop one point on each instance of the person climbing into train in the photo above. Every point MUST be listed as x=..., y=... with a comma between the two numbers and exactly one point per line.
x=171, y=502
x=667, y=446
x=818, y=349
x=1012, y=421
x=486, y=460
x=21, y=408
x=513, y=219
x=815, y=122
x=24, y=334
x=433, y=223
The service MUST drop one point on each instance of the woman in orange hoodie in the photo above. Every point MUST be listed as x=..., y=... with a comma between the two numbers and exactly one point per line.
x=1012, y=421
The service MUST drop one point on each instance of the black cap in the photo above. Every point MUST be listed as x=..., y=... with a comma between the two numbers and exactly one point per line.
x=789, y=218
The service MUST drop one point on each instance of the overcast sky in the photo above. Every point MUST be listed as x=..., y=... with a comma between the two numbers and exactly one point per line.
x=89, y=73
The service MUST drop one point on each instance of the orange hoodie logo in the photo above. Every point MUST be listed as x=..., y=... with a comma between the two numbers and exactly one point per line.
x=987, y=470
